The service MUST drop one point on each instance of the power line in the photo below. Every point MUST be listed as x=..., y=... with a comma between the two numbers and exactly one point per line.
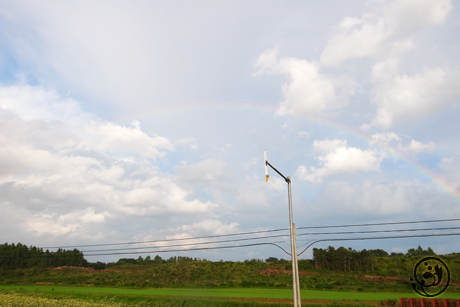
x=171, y=240
x=379, y=224
x=251, y=232
x=374, y=231
x=380, y=238
x=262, y=243
x=264, y=237
x=194, y=249
x=274, y=243
x=187, y=244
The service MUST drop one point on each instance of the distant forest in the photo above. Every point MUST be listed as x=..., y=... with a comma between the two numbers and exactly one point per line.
x=18, y=256
x=344, y=260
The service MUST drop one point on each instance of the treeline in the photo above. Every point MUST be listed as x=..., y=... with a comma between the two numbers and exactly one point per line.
x=156, y=260
x=344, y=260
x=19, y=256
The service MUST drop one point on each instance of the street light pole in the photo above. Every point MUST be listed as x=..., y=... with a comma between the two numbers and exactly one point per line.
x=295, y=267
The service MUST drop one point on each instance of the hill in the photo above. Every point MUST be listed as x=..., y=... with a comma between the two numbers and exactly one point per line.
x=390, y=274
x=331, y=269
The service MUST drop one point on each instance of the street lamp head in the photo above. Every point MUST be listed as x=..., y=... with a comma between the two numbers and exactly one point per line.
x=266, y=168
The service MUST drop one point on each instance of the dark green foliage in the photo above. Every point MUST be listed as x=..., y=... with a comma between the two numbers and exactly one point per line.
x=271, y=259
x=127, y=261
x=332, y=269
x=420, y=252
x=378, y=253
x=15, y=256
x=97, y=265
x=157, y=260
x=343, y=260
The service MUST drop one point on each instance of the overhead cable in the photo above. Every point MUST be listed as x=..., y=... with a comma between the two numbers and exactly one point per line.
x=275, y=244
x=259, y=238
x=255, y=232
x=374, y=231
x=379, y=224
x=381, y=238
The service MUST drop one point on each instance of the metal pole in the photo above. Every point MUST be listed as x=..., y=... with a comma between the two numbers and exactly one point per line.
x=295, y=267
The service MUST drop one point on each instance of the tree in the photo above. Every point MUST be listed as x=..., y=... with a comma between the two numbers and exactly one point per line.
x=158, y=260
x=18, y=256
x=271, y=259
x=379, y=253
x=127, y=261
x=342, y=259
x=420, y=252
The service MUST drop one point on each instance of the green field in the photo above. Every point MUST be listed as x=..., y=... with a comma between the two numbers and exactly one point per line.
x=228, y=293
x=204, y=283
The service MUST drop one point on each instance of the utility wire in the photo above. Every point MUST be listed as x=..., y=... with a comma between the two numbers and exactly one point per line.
x=193, y=249
x=257, y=244
x=187, y=244
x=267, y=243
x=380, y=238
x=259, y=238
x=251, y=232
x=374, y=231
x=379, y=224
x=171, y=240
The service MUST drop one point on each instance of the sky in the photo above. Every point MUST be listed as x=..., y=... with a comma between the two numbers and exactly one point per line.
x=135, y=121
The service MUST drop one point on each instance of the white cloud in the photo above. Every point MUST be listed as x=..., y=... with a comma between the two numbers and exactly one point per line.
x=404, y=200
x=303, y=134
x=355, y=38
x=336, y=157
x=36, y=103
x=91, y=217
x=400, y=97
x=188, y=141
x=121, y=142
x=205, y=171
x=409, y=16
x=308, y=92
x=275, y=183
x=209, y=226
x=450, y=172
x=60, y=177
x=416, y=147
x=384, y=139
x=252, y=196
x=383, y=33
x=394, y=143
x=47, y=225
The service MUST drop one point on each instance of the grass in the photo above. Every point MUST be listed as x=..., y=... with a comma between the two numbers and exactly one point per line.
x=29, y=297
x=210, y=284
x=222, y=293
x=20, y=300
x=390, y=276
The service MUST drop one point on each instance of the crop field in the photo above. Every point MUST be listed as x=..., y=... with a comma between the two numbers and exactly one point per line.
x=222, y=292
x=14, y=299
x=38, y=295
x=213, y=284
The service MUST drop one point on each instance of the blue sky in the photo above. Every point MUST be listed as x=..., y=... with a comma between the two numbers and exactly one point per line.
x=137, y=121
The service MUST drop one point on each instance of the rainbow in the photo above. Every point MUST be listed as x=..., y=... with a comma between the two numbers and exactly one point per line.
x=428, y=174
